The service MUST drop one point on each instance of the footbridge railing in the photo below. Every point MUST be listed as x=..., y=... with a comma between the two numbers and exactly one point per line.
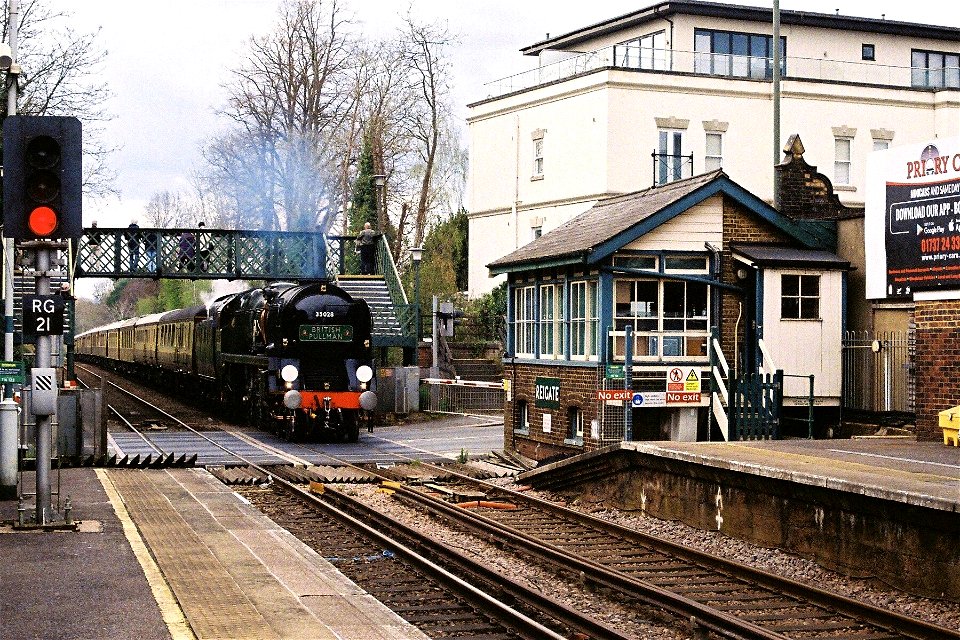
x=200, y=253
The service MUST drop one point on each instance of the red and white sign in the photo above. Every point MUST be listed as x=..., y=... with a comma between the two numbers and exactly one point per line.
x=614, y=394
x=683, y=397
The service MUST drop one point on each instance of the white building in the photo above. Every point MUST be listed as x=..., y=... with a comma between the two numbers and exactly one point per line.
x=684, y=87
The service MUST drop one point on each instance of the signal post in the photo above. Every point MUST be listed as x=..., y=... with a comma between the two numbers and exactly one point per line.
x=42, y=211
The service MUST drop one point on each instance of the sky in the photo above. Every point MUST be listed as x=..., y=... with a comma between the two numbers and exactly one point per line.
x=166, y=62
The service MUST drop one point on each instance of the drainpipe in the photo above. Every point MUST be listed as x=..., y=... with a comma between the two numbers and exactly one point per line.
x=516, y=188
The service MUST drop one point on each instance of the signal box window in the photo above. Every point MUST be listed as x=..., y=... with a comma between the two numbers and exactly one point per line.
x=524, y=327
x=799, y=297
x=522, y=417
x=574, y=423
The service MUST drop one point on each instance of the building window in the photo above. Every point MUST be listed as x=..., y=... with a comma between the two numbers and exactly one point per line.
x=537, y=232
x=647, y=52
x=799, y=297
x=574, y=423
x=868, y=52
x=538, y=157
x=524, y=314
x=741, y=55
x=935, y=69
x=552, y=342
x=880, y=145
x=669, y=318
x=522, y=417
x=842, y=159
x=713, y=156
x=584, y=320
x=669, y=157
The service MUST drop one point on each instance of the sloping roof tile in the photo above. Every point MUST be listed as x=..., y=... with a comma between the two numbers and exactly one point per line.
x=603, y=221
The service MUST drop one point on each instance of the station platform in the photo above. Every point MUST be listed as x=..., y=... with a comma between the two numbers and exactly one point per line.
x=174, y=554
x=881, y=507
x=925, y=474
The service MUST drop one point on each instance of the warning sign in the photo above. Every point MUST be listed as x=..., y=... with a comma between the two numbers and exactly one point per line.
x=685, y=379
x=683, y=397
x=614, y=394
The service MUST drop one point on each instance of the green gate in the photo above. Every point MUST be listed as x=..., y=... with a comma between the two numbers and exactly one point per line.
x=756, y=405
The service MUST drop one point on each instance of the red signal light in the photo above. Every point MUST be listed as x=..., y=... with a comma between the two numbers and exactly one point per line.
x=42, y=221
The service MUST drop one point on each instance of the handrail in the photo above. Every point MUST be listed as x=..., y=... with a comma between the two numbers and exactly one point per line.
x=725, y=368
x=767, y=365
x=723, y=65
x=389, y=270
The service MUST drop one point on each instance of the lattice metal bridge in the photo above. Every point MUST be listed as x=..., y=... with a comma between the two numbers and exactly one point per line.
x=220, y=254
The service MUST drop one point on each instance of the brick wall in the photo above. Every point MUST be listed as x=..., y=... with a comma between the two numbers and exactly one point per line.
x=578, y=387
x=805, y=194
x=937, y=354
x=739, y=226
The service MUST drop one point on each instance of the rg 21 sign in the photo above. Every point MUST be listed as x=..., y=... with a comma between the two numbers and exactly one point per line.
x=43, y=315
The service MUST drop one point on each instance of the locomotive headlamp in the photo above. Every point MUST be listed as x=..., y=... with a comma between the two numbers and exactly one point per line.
x=368, y=400
x=289, y=373
x=364, y=373
x=292, y=399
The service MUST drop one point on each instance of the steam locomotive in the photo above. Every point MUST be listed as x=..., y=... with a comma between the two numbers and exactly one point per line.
x=294, y=359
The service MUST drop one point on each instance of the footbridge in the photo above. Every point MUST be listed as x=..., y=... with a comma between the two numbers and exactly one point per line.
x=223, y=254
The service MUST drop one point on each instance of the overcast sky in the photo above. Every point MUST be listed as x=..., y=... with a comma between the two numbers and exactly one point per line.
x=167, y=59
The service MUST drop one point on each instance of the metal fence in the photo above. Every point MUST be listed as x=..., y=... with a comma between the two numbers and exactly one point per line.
x=878, y=371
x=441, y=395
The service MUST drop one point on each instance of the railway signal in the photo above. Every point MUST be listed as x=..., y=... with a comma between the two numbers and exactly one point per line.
x=42, y=177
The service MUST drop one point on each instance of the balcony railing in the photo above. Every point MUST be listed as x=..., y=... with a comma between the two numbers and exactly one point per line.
x=736, y=67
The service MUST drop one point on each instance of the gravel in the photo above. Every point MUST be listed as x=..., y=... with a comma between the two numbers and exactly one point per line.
x=656, y=624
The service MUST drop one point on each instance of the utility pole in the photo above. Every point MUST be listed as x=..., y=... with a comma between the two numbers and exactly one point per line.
x=776, y=100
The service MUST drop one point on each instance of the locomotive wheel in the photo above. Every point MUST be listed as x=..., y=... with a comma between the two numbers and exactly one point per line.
x=258, y=413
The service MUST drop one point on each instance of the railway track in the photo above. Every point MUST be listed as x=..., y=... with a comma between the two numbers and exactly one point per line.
x=390, y=561
x=727, y=598
x=716, y=595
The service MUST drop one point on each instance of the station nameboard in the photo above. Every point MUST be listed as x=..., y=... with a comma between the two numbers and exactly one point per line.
x=547, y=393
x=912, y=219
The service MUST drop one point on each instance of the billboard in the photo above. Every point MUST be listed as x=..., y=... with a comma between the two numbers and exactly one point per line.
x=912, y=219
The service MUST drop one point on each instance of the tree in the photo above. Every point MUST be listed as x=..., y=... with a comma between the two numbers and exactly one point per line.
x=443, y=269
x=288, y=103
x=168, y=209
x=62, y=76
x=429, y=81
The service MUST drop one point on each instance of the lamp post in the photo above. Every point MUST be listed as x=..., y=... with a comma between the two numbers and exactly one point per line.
x=416, y=254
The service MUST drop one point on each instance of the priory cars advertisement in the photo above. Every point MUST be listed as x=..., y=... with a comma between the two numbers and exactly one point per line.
x=912, y=219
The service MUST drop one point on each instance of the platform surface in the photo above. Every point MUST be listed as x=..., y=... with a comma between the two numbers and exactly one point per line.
x=922, y=473
x=216, y=568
